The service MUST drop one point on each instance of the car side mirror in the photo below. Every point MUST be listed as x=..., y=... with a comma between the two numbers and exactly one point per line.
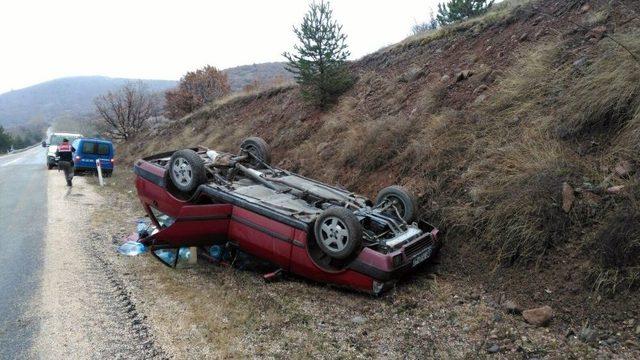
x=44, y=144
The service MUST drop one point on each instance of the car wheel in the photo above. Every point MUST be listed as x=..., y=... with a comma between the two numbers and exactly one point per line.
x=403, y=200
x=50, y=166
x=338, y=232
x=259, y=148
x=186, y=170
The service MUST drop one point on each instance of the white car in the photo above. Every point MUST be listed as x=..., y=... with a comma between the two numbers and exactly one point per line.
x=52, y=146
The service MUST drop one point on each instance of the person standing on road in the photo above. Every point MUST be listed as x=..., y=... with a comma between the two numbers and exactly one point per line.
x=65, y=162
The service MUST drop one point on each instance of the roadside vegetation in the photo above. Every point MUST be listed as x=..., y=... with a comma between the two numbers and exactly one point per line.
x=127, y=111
x=457, y=10
x=21, y=136
x=518, y=130
x=195, y=89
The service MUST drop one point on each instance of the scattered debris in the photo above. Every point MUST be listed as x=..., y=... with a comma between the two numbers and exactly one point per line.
x=132, y=248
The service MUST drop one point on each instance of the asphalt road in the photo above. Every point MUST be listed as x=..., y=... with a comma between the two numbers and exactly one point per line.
x=23, y=220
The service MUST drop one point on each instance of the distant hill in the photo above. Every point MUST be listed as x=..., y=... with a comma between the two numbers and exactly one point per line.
x=265, y=73
x=72, y=97
x=65, y=97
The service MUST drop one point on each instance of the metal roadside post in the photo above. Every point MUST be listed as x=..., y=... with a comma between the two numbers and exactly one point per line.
x=99, y=168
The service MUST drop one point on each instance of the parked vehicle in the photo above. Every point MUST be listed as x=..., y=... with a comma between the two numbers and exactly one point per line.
x=303, y=226
x=89, y=150
x=52, y=146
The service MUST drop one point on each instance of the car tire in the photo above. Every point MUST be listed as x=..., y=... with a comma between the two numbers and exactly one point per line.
x=338, y=233
x=186, y=170
x=50, y=166
x=408, y=205
x=259, y=148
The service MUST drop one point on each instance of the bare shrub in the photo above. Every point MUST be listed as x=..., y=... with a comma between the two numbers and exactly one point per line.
x=127, y=110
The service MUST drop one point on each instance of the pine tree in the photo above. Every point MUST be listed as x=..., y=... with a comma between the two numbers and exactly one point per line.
x=456, y=10
x=319, y=64
x=5, y=140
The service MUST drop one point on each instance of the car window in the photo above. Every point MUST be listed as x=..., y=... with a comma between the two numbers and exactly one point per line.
x=93, y=148
x=87, y=147
x=57, y=139
x=103, y=149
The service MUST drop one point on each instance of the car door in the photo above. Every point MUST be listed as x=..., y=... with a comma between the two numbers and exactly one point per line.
x=261, y=236
x=195, y=225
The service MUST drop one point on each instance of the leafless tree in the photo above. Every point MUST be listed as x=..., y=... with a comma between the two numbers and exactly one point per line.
x=127, y=110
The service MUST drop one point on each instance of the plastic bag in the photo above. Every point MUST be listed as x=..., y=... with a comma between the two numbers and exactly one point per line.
x=132, y=248
x=184, y=253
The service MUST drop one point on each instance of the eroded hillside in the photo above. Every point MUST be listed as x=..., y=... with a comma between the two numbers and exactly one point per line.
x=519, y=131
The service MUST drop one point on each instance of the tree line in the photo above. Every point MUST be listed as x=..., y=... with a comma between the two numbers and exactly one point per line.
x=20, y=139
x=318, y=63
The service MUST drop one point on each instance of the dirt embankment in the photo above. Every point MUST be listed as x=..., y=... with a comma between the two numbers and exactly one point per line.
x=209, y=311
x=517, y=130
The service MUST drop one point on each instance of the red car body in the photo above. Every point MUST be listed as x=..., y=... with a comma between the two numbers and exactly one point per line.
x=218, y=216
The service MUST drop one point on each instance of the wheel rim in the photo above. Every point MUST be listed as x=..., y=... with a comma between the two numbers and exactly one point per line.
x=182, y=172
x=395, y=201
x=334, y=234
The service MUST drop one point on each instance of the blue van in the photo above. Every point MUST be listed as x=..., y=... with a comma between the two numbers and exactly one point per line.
x=88, y=151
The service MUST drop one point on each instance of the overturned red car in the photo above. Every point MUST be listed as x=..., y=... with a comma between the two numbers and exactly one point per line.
x=304, y=227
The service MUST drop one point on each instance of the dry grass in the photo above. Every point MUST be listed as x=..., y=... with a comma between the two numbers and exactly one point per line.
x=618, y=245
x=501, y=13
x=520, y=188
x=546, y=109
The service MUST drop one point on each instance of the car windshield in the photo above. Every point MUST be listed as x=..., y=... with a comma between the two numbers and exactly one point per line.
x=57, y=139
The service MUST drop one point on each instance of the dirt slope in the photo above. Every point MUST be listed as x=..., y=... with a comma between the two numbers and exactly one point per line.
x=517, y=130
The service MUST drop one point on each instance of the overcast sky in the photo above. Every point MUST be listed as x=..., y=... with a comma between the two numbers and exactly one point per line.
x=44, y=40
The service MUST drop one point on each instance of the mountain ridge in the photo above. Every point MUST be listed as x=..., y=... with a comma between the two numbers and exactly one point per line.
x=72, y=97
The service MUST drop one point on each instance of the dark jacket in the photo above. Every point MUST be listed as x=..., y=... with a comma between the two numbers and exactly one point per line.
x=65, y=152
